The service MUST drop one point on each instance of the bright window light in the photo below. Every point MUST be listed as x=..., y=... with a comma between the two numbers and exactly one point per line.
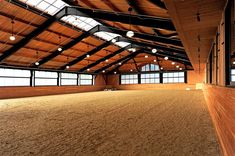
x=53, y=6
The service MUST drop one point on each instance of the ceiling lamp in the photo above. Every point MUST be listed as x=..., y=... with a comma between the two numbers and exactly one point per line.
x=130, y=33
x=106, y=60
x=131, y=70
x=12, y=37
x=115, y=72
x=114, y=40
x=154, y=60
x=177, y=66
x=36, y=63
x=233, y=62
x=88, y=69
x=154, y=50
x=103, y=71
x=59, y=49
x=132, y=49
x=180, y=68
x=166, y=58
x=120, y=63
x=161, y=68
x=67, y=67
x=87, y=55
x=146, y=56
x=173, y=63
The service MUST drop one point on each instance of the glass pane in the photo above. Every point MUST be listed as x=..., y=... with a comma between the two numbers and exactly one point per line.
x=45, y=82
x=85, y=76
x=68, y=75
x=46, y=74
x=14, y=81
x=68, y=82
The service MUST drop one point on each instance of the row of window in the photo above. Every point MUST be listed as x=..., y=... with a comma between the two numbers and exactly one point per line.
x=170, y=77
x=18, y=77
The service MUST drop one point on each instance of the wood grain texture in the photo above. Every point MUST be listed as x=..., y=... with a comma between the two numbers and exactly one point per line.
x=221, y=104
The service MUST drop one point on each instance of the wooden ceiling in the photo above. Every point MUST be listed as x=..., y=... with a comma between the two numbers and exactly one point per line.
x=197, y=35
x=59, y=34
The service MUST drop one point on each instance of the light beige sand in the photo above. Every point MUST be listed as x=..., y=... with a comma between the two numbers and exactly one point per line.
x=174, y=123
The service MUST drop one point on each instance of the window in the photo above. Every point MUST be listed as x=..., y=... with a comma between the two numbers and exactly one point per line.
x=45, y=78
x=14, y=77
x=68, y=79
x=150, y=78
x=53, y=6
x=233, y=75
x=173, y=77
x=150, y=67
x=85, y=79
x=129, y=79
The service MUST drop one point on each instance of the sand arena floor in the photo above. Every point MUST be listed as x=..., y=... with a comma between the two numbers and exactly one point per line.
x=143, y=123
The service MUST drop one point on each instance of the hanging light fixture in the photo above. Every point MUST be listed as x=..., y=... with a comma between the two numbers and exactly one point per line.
x=131, y=70
x=114, y=40
x=106, y=60
x=173, y=63
x=36, y=63
x=120, y=63
x=146, y=56
x=103, y=71
x=87, y=55
x=115, y=72
x=67, y=67
x=12, y=37
x=59, y=48
x=161, y=68
x=154, y=60
x=88, y=69
x=166, y=58
x=177, y=66
x=180, y=68
x=154, y=50
x=130, y=33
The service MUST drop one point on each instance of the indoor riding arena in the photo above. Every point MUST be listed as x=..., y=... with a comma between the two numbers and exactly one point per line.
x=117, y=77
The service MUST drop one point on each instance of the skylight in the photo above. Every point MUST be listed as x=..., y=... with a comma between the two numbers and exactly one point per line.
x=53, y=6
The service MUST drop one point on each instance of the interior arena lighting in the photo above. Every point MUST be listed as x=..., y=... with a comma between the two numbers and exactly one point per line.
x=154, y=60
x=107, y=60
x=132, y=49
x=130, y=33
x=161, y=68
x=87, y=55
x=88, y=69
x=166, y=58
x=67, y=67
x=12, y=38
x=115, y=72
x=233, y=62
x=131, y=70
x=59, y=49
x=103, y=71
x=146, y=56
x=36, y=63
x=154, y=50
x=113, y=40
x=177, y=66
x=187, y=88
x=120, y=63
x=181, y=68
x=173, y=63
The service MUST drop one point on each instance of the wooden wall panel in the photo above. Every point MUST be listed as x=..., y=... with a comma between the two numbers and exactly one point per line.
x=221, y=105
x=17, y=92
